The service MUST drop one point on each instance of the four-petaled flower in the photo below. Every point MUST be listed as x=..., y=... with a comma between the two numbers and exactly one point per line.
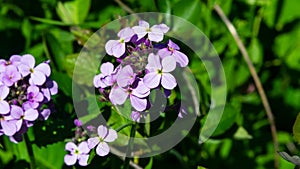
x=159, y=72
x=117, y=47
x=38, y=74
x=22, y=117
x=129, y=86
x=155, y=33
x=11, y=75
x=104, y=135
x=107, y=77
x=80, y=153
x=173, y=50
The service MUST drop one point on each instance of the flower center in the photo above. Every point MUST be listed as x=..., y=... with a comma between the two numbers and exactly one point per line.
x=159, y=71
x=31, y=70
x=76, y=151
x=148, y=30
x=170, y=49
x=122, y=40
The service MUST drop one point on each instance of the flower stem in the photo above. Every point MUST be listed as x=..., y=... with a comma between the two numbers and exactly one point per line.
x=130, y=145
x=30, y=151
x=123, y=126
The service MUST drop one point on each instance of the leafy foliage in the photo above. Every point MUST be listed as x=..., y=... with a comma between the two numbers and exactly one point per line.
x=56, y=31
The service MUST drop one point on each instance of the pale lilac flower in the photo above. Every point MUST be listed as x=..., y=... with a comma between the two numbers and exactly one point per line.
x=7, y=126
x=21, y=116
x=159, y=72
x=10, y=75
x=38, y=74
x=173, y=50
x=51, y=89
x=34, y=96
x=118, y=95
x=45, y=114
x=117, y=47
x=155, y=33
x=108, y=75
x=136, y=116
x=126, y=76
x=80, y=153
x=13, y=60
x=104, y=135
x=4, y=106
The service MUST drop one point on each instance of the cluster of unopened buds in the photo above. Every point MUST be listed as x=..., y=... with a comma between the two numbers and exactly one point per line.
x=144, y=63
x=25, y=94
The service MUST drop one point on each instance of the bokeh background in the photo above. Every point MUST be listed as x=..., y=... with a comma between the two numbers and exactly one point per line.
x=270, y=29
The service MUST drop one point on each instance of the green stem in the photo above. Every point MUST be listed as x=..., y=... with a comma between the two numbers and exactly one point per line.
x=130, y=145
x=123, y=126
x=30, y=151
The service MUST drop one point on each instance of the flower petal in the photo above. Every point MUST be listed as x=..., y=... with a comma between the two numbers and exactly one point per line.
x=44, y=68
x=83, y=148
x=28, y=60
x=140, y=31
x=141, y=90
x=164, y=52
x=117, y=95
x=161, y=27
x=4, y=107
x=24, y=69
x=4, y=91
x=168, y=64
x=102, y=149
x=107, y=68
x=126, y=76
x=83, y=159
x=153, y=62
x=38, y=78
x=70, y=146
x=102, y=131
x=143, y=23
x=9, y=127
x=16, y=112
x=118, y=50
x=151, y=80
x=70, y=159
x=109, y=45
x=138, y=103
x=46, y=113
x=126, y=34
x=168, y=81
x=181, y=58
x=92, y=142
x=31, y=114
x=173, y=45
x=112, y=136
x=156, y=36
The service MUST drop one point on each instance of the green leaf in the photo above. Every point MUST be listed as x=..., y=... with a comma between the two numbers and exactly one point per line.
x=149, y=165
x=73, y=12
x=255, y=52
x=241, y=134
x=64, y=82
x=227, y=120
x=49, y=21
x=296, y=129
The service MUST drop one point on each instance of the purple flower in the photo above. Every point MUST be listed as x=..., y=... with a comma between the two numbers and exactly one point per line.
x=173, y=50
x=104, y=135
x=18, y=114
x=80, y=153
x=136, y=116
x=77, y=123
x=11, y=75
x=105, y=78
x=38, y=74
x=126, y=76
x=137, y=94
x=14, y=60
x=117, y=47
x=34, y=96
x=155, y=33
x=51, y=89
x=4, y=106
x=7, y=126
x=159, y=72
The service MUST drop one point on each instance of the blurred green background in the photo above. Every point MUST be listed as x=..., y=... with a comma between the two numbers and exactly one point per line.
x=270, y=30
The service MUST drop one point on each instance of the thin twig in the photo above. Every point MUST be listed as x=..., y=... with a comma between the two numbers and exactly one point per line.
x=256, y=79
x=131, y=163
x=125, y=7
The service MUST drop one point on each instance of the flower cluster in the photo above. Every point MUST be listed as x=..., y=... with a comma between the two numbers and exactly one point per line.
x=145, y=63
x=80, y=147
x=25, y=94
